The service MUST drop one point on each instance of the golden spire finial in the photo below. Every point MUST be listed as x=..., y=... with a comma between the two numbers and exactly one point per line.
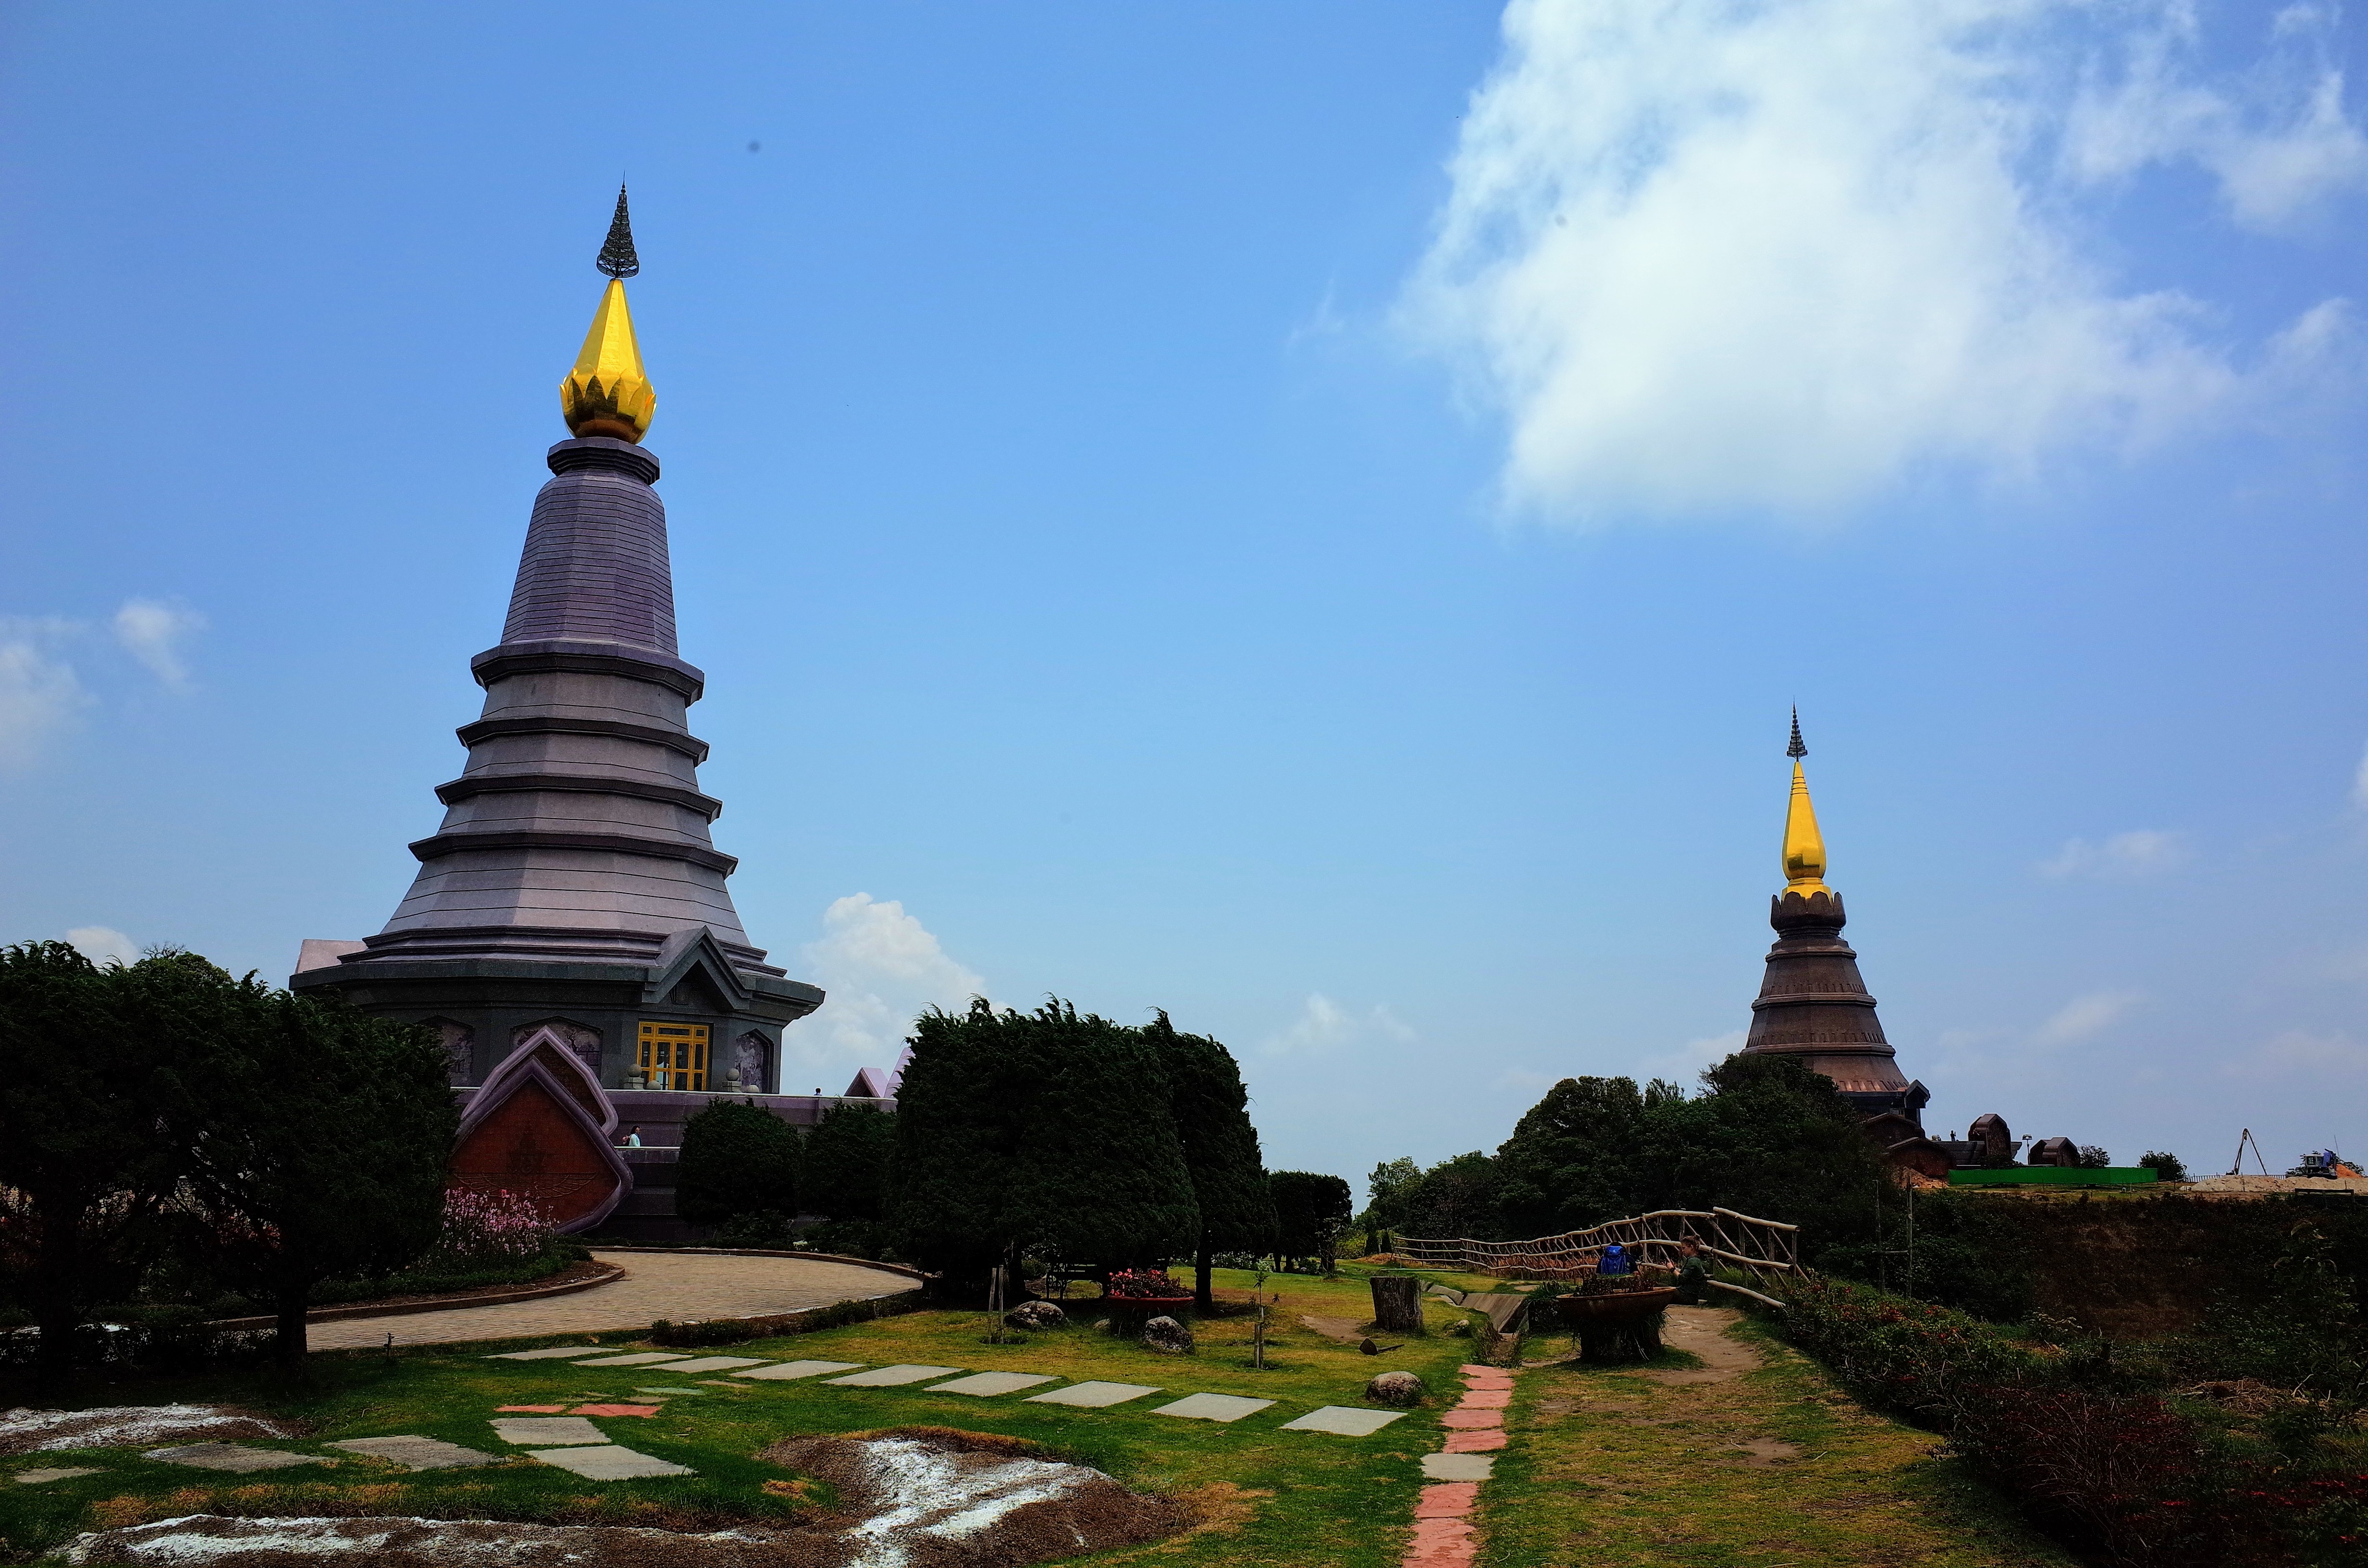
x=607, y=393
x=1805, y=847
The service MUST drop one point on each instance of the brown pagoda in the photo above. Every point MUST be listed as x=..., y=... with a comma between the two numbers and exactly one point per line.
x=1814, y=1008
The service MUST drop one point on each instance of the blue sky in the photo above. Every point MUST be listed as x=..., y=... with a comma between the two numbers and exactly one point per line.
x=1307, y=516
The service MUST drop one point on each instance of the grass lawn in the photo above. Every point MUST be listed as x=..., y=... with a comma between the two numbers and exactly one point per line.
x=1614, y=1468
x=1277, y=1497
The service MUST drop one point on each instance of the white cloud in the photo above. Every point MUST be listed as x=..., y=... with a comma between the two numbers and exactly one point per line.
x=1710, y=256
x=882, y=969
x=1324, y=1026
x=153, y=632
x=2276, y=139
x=39, y=692
x=2133, y=853
x=2302, y=1055
x=1684, y=1065
x=103, y=944
x=2085, y=1018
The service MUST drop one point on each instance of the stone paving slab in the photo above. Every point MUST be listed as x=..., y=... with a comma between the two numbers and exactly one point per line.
x=415, y=1453
x=714, y=1364
x=233, y=1456
x=558, y=1431
x=1347, y=1420
x=1447, y=1500
x=656, y=1285
x=1091, y=1395
x=639, y=1358
x=1457, y=1467
x=683, y=1391
x=531, y=1410
x=891, y=1377
x=1475, y=1442
x=36, y=1477
x=611, y=1462
x=616, y=1410
x=1214, y=1407
x=1485, y=1398
x=1473, y=1420
x=552, y=1353
x=783, y=1371
x=987, y=1383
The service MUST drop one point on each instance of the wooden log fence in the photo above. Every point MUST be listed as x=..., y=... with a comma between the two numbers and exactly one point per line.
x=1760, y=1247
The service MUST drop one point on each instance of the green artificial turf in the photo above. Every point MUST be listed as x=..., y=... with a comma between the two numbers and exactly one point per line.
x=1267, y=1493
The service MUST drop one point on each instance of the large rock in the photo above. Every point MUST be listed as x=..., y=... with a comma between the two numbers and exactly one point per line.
x=1036, y=1314
x=1165, y=1334
x=1395, y=1388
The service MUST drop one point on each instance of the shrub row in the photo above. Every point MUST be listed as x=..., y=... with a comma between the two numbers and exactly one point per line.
x=2073, y=1433
x=736, y=1331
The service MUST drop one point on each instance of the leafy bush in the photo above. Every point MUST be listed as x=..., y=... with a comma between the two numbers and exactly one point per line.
x=737, y=1158
x=765, y=1231
x=2166, y=1167
x=689, y=1336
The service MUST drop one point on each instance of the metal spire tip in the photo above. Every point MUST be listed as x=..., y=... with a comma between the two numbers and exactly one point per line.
x=617, y=257
x=1796, y=750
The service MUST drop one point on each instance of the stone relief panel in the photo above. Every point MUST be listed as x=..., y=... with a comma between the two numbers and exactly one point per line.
x=749, y=1053
x=581, y=1038
x=460, y=1049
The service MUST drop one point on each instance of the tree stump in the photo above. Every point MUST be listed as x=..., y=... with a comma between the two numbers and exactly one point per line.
x=1397, y=1303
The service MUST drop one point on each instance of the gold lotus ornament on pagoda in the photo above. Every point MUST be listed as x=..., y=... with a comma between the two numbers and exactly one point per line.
x=608, y=393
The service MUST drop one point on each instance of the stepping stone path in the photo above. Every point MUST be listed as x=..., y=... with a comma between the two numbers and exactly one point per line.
x=1214, y=1407
x=1091, y=1395
x=713, y=1364
x=552, y=1431
x=642, y=1359
x=616, y=1410
x=36, y=1477
x=233, y=1456
x=686, y=1391
x=985, y=1384
x=1346, y=1420
x=891, y=1377
x=784, y=1371
x=1442, y=1538
x=610, y=1462
x=415, y=1453
x=530, y=1409
x=551, y=1353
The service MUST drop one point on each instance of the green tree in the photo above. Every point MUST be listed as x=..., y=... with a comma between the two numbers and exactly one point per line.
x=1046, y=1128
x=319, y=1138
x=2166, y=1167
x=84, y=1174
x=1385, y=1191
x=1575, y=1158
x=846, y=1161
x=1456, y=1197
x=737, y=1158
x=1310, y=1212
x=1220, y=1150
x=1773, y=1140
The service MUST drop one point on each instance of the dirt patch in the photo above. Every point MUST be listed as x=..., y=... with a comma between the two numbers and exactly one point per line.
x=23, y=1431
x=937, y=1498
x=1346, y=1331
x=1758, y=1451
x=1702, y=1332
x=213, y=1542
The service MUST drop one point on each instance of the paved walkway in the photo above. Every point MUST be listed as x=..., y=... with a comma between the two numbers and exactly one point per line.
x=657, y=1285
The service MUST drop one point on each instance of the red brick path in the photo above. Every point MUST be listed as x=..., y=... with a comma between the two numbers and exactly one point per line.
x=1442, y=1532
